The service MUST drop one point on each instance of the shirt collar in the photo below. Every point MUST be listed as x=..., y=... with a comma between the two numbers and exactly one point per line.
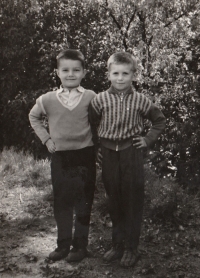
x=80, y=89
x=112, y=90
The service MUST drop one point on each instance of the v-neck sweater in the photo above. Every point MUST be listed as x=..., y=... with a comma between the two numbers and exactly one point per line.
x=69, y=129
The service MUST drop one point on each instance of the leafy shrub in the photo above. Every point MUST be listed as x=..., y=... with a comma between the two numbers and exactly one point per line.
x=33, y=32
x=161, y=195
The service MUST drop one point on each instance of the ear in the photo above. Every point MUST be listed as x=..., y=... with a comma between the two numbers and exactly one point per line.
x=84, y=73
x=57, y=71
x=134, y=78
x=108, y=75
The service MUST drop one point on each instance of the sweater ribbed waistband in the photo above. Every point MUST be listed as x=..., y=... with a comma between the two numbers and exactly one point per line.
x=116, y=145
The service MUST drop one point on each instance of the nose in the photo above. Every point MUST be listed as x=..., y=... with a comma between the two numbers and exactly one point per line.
x=120, y=77
x=70, y=73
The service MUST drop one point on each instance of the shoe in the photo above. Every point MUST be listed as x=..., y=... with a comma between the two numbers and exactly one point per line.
x=77, y=255
x=116, y=252
x=130, y=257
x=58, y=254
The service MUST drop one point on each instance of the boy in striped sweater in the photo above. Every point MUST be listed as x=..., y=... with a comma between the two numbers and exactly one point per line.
x=70, y=141
x=119, y=113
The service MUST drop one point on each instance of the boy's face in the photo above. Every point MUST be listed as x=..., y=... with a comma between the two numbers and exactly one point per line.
x=121, y=76
x=70, y=73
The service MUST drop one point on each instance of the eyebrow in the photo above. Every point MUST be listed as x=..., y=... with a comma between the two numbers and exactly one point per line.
x=65, y=67
x=122, y=71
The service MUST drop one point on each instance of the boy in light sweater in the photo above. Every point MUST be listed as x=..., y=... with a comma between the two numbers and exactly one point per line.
x=73, y=156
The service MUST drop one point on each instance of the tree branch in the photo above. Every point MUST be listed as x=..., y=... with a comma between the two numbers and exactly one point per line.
x=130, y=20
x=175, y=19
x=145, y=62
x=142, y=19
x=113, y=17
x=118, y=25
x=150, y=40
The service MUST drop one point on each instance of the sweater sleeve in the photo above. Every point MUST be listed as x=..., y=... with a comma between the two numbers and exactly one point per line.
x=158, y=124
x=94, y=119
x=35, y=118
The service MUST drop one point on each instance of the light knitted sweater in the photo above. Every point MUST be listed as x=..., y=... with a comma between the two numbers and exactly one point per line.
x=69, y=129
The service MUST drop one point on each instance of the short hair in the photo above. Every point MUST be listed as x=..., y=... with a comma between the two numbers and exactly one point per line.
x=122, y=58
x=71, y=54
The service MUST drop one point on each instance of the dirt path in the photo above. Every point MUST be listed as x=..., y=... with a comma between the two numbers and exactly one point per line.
x=28, y=235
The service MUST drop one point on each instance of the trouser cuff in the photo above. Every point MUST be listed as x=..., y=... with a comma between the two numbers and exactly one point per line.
x=80, y=242
x=64, y=243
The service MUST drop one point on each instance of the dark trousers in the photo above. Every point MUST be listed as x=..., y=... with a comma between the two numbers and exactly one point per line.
x=123, y=177
x=73, y=179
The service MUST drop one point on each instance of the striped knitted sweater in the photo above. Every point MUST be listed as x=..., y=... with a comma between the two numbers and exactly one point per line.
x=121, y=116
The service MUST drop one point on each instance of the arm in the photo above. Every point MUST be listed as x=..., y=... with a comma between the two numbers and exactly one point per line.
x=35, y=117
x=94, y=120
x=158, y=124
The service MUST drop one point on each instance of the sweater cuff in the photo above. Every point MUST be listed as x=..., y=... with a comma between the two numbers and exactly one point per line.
x=148, y=142
x=44, y=140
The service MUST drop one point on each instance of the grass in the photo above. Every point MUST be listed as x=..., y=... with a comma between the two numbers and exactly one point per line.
x=29, y=182
x=170, y=226
x=22, y=170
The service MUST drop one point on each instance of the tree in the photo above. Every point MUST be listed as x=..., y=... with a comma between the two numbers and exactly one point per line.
x=163, y=35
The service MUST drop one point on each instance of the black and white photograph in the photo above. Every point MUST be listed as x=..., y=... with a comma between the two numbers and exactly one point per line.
x=99, y=139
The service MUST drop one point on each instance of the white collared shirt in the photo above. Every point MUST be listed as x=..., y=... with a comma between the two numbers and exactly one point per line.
x=70, y=99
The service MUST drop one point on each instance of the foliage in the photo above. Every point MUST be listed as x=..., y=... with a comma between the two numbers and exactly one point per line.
x=163, y=36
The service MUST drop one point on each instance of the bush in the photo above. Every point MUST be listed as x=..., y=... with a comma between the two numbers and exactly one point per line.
x=33, y=32
x=166, y=201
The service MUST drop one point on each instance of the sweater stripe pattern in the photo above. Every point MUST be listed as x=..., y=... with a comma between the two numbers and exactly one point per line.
x=121, y=114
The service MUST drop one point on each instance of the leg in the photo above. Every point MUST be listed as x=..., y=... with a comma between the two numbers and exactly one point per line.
x=63, y=203
x=84, y=195
x=83, y=206
x=131, y=162
x=111, y=178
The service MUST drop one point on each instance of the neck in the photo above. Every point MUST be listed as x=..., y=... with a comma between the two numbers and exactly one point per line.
x=122, y=92
x=65, y=89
